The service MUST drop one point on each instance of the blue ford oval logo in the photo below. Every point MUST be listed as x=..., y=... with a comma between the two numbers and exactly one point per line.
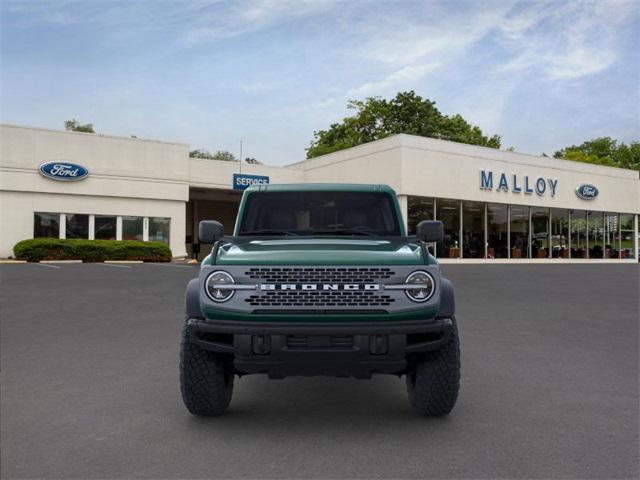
x=586, y=191
x=64, y=171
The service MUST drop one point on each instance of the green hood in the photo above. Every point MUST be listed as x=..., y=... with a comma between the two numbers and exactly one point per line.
x=321, y=251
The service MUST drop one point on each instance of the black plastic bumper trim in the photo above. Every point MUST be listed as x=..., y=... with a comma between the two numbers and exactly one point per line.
x=326, y=328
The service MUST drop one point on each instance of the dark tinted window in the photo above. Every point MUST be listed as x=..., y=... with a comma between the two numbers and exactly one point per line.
x=105, y=227
x=330, y=213
x=46, y=225
x=77, y=226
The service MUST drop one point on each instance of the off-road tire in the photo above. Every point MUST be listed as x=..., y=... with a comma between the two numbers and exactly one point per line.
x=434, y=382
x=206, y=385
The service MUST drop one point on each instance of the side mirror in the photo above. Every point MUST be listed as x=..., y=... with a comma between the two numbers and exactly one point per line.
x=430, y=231
x=210, y=231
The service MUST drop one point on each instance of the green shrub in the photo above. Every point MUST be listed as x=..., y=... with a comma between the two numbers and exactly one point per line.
x=37, y=249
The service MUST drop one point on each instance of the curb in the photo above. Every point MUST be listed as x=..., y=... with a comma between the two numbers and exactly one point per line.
x=60, y=261
x=8, y=262
x=123, y=261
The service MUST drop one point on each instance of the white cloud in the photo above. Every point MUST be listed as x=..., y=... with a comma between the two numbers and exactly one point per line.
x=246, y=17
x=405, y=77
x=564, y=41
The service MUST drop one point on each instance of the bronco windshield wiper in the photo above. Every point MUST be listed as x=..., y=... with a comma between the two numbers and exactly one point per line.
x=269, y=231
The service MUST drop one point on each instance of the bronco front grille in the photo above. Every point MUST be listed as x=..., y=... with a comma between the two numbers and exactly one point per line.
x=336, y=298
x=320, y=274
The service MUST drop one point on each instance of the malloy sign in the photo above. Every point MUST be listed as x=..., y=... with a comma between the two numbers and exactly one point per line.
x=515, y=183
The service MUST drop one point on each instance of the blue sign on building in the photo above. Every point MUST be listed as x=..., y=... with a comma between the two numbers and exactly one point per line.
x=586, y=191
x=242, y=181
x=518, y=183
x=63, y=171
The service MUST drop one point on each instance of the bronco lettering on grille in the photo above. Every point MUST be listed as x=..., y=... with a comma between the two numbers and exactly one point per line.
x=320, y=286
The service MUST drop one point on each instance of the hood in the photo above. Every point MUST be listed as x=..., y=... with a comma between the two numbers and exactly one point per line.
x=321, y=251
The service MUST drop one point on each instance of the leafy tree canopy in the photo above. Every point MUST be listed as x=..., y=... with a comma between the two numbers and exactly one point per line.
x=219, y=155
x=75, y=126
x=252, y=161
x=377, y=118
x=604, y=151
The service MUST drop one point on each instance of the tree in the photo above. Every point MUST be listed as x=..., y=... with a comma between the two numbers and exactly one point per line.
x=604, y=151
x=377, y=118
x=201, y=153
x=252, y=161
x=219, y=155
x=225, y=156
x=75, y=126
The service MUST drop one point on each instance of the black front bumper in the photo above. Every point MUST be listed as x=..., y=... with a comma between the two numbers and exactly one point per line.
x=354, y=349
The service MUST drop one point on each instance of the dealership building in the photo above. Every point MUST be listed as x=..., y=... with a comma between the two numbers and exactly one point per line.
x=496, y=206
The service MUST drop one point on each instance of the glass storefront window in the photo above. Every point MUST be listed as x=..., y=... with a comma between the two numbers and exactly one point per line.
x=519, y=231
x=132, y=228
x=472, y=230
x=578, y=234
x=159, y=229
x=596, y=235
x=46, y=225
x=77, y=226
x=497, y=229
x=611, y=235
x=559, y=233
x=418, y=209
x=626, y=236
x=539, y=232
x=448, y=212
x=105, y=227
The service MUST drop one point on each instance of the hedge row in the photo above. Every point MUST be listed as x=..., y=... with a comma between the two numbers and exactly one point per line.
x=37, y=249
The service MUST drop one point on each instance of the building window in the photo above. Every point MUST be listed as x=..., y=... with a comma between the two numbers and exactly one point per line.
x=132, y=228
x=46, y=225
x=159, y=229
x=611, y=235
x=497, y=231
x=596, y=235
x=559, y=233
x=578, y=234
x=448, y=212
x=626, y=236
x=77, y=226
x=473, y=230
x=539, y=232
x=519, y=231
x=105, y=227
x=418, y=209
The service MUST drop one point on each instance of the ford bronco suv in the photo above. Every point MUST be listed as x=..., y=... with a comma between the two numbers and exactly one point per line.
x=319, y=280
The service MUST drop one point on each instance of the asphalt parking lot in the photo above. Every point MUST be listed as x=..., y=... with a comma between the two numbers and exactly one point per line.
x=89, y=381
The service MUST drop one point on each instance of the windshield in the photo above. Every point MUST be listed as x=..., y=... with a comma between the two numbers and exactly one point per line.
x=319, y=213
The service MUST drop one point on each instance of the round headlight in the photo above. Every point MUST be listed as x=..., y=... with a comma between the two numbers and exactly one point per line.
x=425, y=286
x=214, y=286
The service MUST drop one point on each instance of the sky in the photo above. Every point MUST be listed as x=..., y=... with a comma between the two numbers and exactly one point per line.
x=542, y=74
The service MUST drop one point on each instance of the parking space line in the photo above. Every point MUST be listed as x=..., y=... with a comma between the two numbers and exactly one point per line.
x=113, y=265
x=46, y=265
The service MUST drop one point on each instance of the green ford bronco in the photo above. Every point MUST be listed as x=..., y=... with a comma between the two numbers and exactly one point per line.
x=319, y=280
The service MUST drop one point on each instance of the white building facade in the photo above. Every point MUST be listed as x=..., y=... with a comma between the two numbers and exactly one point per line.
x=496, y=206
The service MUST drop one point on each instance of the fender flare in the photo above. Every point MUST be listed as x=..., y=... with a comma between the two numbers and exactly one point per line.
x=192, y=300
x=447, y=299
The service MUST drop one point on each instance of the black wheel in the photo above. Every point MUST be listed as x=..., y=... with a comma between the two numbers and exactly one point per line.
x=206, y=385
x=434, y=382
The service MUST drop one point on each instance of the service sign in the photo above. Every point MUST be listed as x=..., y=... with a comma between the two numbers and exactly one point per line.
x=63, y=171
x=586, y=191
x=242, y=181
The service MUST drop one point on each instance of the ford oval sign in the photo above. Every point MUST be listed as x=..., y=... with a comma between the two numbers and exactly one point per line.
x=586, y=191
x=63, y=171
